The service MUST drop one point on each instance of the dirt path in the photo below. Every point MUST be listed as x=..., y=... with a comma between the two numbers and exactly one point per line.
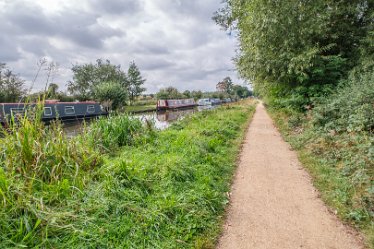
x=273, y=202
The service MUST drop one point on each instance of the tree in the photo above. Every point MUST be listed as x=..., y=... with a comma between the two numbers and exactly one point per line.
x=12, y=88
x=187, y=94
x=197, y=94
x=225, y=85
x=241, y=91
x=88, y=76
x=169, y=93
x=52, y=92
x=296, y=47
x=111, y=94
x=135, y=82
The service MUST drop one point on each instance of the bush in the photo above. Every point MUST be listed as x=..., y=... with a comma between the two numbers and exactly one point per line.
x=350, y=108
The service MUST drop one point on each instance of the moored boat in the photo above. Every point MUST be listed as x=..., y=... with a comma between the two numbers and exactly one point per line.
x=166, y=104
x=211, y=101
x=53, y=110
x=204, y=102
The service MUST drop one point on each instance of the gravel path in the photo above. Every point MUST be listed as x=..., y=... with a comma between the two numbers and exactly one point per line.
x=273, y=202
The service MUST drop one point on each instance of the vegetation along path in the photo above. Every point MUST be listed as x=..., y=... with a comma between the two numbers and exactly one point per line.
x=273, y=202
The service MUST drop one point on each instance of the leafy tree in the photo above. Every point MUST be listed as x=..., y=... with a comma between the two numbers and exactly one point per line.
x=12, y=88
x=111, y=94
x=197, y=94
x=225, y=85
x=88, y=76
x=169, y=93
x=297, y=48
x=135, y=82
x=241, y=91
x=52, y=92
x=187, y=94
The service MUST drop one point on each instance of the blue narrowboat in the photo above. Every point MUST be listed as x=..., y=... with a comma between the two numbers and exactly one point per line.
x=54, y=110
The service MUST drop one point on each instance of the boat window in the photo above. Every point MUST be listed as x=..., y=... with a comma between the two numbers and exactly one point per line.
x=69, y=110
x=47, y=111
x=17, y=111
x=90, y=108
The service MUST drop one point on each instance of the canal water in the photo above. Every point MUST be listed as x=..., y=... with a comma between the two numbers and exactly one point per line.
x=161, y=119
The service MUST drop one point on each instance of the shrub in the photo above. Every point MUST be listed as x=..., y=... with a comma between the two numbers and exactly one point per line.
x=350, y=108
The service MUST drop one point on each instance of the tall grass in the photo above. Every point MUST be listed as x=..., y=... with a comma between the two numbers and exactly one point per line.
x=160, y=190
x=39, y=168
x=117, y=131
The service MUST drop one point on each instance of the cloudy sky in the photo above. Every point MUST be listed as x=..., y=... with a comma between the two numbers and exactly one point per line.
x=174, y=42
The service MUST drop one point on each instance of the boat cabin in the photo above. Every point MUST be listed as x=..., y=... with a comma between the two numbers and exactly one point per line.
x=53, y=110
x=167, y=104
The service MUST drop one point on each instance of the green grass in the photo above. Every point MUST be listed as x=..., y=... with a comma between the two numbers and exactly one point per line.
x=342, y=167
x=138, y=189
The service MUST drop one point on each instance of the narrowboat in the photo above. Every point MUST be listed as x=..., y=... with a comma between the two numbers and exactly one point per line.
x=167, y=104
x=53, y=110
x=204, y=102
x=216, y=101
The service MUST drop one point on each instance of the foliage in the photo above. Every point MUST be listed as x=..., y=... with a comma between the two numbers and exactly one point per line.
x=241, y=91
x=12, y=88
x=225, y=85
x=88, y=76
x=162, y=190
x=59, y=95
x=52, y=92
x=110, y=93
x=293, y=44
x=169, y=93
x=351, y=108
x=197, y=94
x=134, y=82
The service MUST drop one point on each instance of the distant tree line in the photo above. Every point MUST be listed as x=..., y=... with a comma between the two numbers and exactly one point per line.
x=225, y=89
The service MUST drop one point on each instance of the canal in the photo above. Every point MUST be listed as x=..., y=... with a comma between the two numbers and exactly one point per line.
x=161, y=119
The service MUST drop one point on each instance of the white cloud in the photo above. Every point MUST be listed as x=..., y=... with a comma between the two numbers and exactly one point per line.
x=173, y=42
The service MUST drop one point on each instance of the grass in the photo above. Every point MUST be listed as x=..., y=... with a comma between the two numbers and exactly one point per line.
x=120, y=184
x=342, y=167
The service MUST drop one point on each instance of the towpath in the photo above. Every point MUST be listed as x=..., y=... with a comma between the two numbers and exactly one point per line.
x=273, y=202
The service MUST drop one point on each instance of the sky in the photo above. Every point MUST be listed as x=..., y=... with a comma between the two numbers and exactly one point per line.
x=173, y=42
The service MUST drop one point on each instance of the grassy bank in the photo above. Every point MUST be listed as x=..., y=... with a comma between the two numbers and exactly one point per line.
x=341, y=164
x=121, y=184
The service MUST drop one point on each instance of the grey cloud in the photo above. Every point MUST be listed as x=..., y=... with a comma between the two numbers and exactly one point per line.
x=172, y=41
x=155, y=64
x=81, y=28
x=8, y=50
x=116, y=7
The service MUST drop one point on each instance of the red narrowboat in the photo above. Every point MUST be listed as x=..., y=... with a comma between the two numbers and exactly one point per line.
x=167, y=104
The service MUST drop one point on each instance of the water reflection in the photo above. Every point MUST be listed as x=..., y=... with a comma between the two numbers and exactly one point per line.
x=162, y=120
